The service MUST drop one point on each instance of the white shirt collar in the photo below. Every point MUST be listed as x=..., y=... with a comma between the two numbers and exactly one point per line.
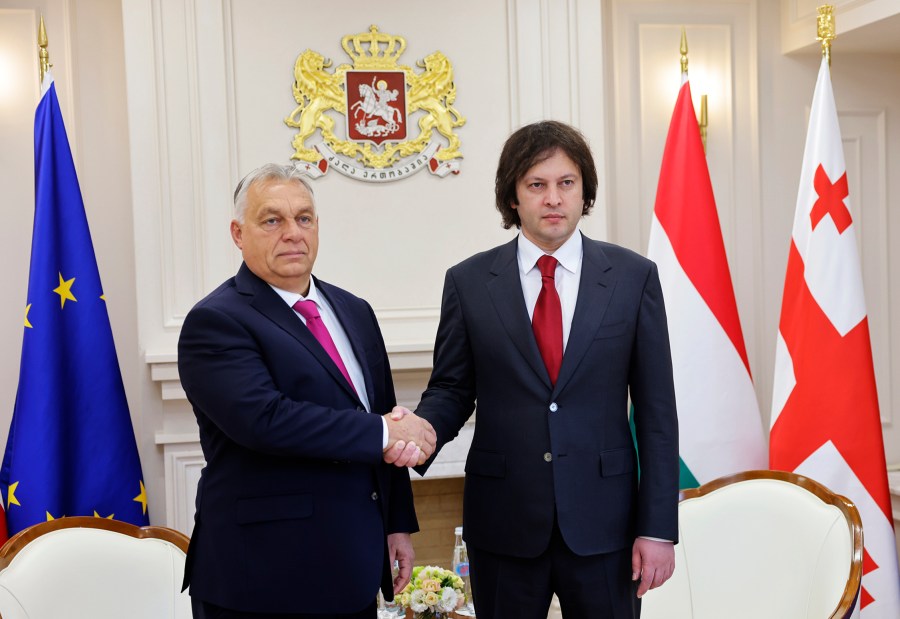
x=568, y=254
x=292, y=297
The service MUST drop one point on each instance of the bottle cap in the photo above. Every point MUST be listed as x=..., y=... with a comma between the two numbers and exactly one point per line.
x=457, y=531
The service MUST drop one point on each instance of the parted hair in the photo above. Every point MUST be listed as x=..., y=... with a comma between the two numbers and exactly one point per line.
x=531, y=145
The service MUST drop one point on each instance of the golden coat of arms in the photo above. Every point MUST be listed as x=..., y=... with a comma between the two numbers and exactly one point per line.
x=377, y=99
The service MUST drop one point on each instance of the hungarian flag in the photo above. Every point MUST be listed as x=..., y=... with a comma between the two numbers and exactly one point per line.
x=825, y=421
x=720, y=430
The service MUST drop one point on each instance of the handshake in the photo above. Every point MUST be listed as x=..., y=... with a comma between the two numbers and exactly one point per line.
x=411, y=439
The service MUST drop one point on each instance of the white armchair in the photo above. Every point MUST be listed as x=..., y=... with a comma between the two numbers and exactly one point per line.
x=762, y=544
x=93, y=568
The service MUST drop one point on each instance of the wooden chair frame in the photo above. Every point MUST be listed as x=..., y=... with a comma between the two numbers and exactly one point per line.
x=18, y=541
x=851, y=591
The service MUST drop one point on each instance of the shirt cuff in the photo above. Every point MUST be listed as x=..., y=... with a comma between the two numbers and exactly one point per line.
x=656, y=539
x=384, y=434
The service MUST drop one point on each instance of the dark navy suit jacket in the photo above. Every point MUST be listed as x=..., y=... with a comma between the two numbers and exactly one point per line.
x=566, y=449
x=295, y=502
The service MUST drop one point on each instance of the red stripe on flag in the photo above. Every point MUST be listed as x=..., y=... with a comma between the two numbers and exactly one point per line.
x=865, y=598
x=868, y=563
x=834, y=398
x=686, y=209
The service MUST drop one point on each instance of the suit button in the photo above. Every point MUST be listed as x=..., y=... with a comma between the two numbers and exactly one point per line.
x=548, y=457
x=553, y=407
x=374, y=496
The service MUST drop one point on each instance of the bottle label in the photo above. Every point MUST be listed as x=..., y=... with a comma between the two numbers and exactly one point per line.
x=462, y=570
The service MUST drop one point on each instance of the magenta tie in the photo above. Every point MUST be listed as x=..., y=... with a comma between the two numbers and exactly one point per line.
x=310, y=312
x=547, y=318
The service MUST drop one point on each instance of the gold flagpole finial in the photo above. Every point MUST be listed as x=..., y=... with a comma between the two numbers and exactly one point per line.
x=825, y=29
x=43, y=54
x=684, y=52
x=704, y=121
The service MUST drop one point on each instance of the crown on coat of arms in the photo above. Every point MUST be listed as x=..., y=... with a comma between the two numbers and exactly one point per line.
x=383, y=49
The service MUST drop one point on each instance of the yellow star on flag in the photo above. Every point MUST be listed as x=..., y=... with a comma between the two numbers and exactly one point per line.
x=12, y=495
x=50, y=517
x=27, y=324
x=142, y=497
x=64, y=290
x=96, y=515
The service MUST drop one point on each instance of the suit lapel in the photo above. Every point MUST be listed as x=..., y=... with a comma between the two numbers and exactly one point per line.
x=505, y=290
x=354, y=334
x=267, y=302
x=594, y=293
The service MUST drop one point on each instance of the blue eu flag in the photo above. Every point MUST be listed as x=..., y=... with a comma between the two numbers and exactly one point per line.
x=71, y=449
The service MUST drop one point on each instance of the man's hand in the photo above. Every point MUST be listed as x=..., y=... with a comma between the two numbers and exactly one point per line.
x=411, y=439
x=403, y=454
x=399, y=412
x=653, y=562
x=400, y=548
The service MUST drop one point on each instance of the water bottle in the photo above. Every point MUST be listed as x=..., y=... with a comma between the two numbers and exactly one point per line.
x=390, y=610
x=460, y=567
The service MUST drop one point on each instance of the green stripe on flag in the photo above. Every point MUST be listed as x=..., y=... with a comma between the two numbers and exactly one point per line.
x=686, y=479
x=634, y=437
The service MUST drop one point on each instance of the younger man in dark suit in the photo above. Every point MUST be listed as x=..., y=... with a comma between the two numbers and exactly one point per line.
x=549, y=334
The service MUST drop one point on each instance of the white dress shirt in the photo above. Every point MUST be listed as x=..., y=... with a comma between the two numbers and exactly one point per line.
x=568, y=276
x=341, y=342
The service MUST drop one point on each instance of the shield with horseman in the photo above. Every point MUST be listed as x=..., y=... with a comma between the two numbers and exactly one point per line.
x=376, y=106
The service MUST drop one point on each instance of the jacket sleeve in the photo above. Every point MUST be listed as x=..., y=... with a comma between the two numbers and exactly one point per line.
x=655, y=420
x=227, y=380
x=449, y=399
x=400, y=510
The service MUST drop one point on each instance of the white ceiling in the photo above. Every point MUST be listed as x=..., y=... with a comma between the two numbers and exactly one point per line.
x=882, y=37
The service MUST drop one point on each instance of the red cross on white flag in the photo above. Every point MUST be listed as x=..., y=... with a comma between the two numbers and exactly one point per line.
x=825, y=420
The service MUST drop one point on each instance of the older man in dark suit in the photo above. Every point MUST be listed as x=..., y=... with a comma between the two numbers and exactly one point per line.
x=299, y=515
x=549, y=334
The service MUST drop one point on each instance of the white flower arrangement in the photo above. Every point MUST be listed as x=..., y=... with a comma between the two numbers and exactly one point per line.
x=432, y=590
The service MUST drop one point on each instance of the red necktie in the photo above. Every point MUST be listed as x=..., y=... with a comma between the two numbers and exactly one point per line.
x=547, y=319
x=310, y=312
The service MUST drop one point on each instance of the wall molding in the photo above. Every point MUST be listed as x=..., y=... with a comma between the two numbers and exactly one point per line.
x=183, y=463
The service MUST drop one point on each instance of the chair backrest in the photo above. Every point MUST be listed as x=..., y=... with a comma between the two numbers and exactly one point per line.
x=762, y=544
x=93, y=567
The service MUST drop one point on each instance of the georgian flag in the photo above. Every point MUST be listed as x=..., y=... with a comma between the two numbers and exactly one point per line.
x=825, y=421
x=720, y=430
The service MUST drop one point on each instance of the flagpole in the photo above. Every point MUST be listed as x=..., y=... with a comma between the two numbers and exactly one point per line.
x=43, y=54
x=825, y=31
x=702, y=121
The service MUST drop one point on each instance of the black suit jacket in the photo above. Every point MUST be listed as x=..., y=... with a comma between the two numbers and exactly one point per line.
x=294, y=503
x=539, y=449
